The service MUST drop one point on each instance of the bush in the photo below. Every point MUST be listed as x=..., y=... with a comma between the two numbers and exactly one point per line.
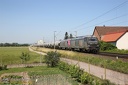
x=64, y=66
x=75, y=72
x=25, y=57
x=107, y=82
x=106, y=46
x=78, y=74
x=84, y=79
x=52, y=59
x=3, y=67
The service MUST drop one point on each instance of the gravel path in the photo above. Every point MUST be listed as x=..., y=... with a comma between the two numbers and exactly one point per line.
x=113, y=76
x=24, y=65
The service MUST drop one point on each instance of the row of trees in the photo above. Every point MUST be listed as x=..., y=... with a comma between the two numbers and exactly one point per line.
x=68, y=36
x=12, y=44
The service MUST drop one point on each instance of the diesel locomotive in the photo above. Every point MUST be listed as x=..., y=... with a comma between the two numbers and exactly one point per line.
x=83, y=43
x=87, y=43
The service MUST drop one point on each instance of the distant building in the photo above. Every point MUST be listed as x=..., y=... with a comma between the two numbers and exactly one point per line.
x=40, y=42
x=118, y=36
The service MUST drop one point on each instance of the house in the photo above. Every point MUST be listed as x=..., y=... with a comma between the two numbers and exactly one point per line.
x=100, y=31
x=118, y=36
x=119, y=39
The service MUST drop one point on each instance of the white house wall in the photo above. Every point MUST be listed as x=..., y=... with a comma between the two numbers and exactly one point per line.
x=122, y=43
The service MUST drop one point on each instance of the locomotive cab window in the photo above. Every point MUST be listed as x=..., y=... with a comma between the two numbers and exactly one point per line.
x=92, y=39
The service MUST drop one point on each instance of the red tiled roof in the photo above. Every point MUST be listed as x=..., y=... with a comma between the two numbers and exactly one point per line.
x=103, y=30
x=112, y=37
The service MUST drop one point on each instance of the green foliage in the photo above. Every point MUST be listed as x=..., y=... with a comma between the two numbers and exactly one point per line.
x=118, y=66
x=25, y=57
x=121, y=51
x=64, y=66
x=11, y=80
x=88, y=79
x=71, y=36
x=52, y=59
x=106, y=82
x=78, y=74
x=12, y=44
x=75, y=72
x=84, y=77
x=66, y=35
x=3, y=67
x=106, y=46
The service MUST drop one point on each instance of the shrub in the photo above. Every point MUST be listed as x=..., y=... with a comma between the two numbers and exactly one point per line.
x=3, y=67
x=78, y=74
x=52, y=59
x=25, y=57
x=75, y=72
x=84, y=79
x=106, y=46
x=107, y=82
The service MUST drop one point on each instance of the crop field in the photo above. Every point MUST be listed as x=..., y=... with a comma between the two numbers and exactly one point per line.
x=11, y=55
x=113, y=64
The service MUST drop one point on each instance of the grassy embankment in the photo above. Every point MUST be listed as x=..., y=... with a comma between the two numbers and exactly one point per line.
x=113, y=64
x=11, y=55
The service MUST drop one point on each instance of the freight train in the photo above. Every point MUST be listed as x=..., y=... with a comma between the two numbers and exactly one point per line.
x=82, y=43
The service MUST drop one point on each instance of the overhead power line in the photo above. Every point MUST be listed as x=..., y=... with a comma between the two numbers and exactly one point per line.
x=105, y=21
x=102, y=14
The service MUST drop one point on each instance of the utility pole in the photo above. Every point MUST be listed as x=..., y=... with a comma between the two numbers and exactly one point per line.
x=76, y=33
x=54, y=40
x=43, y=42
x=40, y=58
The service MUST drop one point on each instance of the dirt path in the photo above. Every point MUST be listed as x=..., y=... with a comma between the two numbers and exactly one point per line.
x=113, y=76
x=23, y=65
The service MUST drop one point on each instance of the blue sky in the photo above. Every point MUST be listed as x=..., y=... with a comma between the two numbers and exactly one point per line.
x=27, y=21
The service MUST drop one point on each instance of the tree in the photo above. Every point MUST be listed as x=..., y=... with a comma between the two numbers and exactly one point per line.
x=71, y=36
x=52, y=59
x=66, y=35
x=25, y=57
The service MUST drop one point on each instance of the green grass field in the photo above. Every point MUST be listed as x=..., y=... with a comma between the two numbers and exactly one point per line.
x=11, y=55
x=38, y=70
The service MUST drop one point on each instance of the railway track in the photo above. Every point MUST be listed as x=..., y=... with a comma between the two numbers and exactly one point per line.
x=114, y=55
